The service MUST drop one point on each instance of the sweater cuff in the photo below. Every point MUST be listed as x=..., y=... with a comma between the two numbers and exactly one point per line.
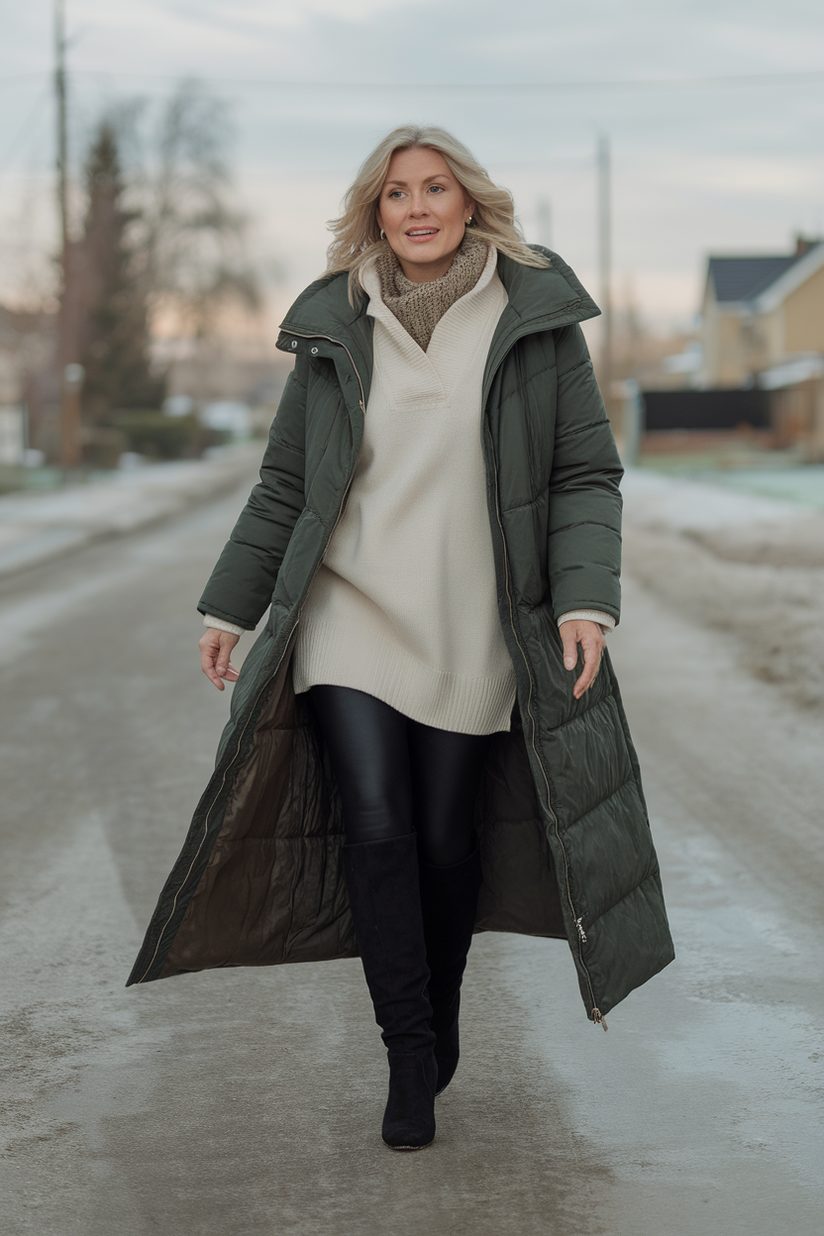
x=606, y=621
x=218, y=624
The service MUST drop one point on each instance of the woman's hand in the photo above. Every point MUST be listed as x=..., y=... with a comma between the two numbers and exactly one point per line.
x=215, y=647
x=591, y=638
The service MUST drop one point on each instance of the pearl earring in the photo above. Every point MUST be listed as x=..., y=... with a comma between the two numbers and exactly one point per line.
x=469, y=220
x=383, y=234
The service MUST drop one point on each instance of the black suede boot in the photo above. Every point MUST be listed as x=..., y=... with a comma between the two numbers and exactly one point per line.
x=384, y=890
x=449, y=899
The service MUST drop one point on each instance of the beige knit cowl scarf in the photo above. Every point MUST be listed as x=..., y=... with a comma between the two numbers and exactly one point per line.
x=420, y=306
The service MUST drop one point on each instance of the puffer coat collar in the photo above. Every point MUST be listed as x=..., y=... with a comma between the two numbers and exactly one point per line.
x=540, y=298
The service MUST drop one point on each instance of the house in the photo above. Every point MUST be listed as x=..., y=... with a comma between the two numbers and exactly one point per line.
x=760, y=313
x=758, y=368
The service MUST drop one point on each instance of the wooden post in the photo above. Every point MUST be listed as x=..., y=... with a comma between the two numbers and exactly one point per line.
x=70, y=452
x=62, y=129
x=71, y=383
x=544, y=222
x=605, y=263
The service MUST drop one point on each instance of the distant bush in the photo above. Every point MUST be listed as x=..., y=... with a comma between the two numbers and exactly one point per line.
x=12, y=477
x=102, y=446
x=159, y=436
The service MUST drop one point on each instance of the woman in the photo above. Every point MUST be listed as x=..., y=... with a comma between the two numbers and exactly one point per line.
x=421, y=744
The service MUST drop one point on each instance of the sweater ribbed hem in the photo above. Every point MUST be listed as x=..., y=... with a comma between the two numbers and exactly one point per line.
x=358, y=658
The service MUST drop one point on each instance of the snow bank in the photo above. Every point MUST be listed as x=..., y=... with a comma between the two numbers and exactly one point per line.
x=738, y=562
x=37, y=527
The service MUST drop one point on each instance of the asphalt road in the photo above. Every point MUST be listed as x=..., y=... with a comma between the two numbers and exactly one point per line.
x=248, y=1102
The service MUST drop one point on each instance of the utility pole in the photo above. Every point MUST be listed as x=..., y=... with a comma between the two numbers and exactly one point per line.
x=62, y=139
x=605, y=262
x=69, y=384
x=544, y=222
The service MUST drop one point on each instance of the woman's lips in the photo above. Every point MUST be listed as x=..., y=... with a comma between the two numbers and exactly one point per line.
x=421, y=236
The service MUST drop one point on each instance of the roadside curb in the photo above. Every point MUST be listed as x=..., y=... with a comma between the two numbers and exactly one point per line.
x=38, y=528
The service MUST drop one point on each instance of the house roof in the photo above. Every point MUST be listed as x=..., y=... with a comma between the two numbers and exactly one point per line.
x=745, y=278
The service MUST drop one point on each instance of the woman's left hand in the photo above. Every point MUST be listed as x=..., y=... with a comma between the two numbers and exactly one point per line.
x=591, y=638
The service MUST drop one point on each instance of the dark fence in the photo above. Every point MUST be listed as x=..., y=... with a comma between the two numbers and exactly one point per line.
x=713, y=409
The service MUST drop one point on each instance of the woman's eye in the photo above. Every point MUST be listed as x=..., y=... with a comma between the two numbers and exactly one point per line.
x=436, y=188
x=396, y=193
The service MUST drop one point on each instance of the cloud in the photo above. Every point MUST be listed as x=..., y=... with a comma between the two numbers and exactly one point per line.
x=696, y=168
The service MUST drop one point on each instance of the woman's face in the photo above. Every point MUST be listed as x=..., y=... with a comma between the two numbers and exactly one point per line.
x=423, y=211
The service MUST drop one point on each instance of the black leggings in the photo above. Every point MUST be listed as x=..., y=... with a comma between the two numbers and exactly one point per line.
x=396, y=775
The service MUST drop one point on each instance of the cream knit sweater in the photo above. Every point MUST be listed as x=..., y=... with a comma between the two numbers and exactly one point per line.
x=404, y=605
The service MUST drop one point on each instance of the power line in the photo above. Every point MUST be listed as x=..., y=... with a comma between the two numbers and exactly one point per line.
x=799, y=78
x=559, y=87
x=604, y=214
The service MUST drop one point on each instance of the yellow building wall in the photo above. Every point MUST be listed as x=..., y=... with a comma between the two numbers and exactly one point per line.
x=773, y=330
x=731, y=356
x=730, y=364
x=804, y=317
x=723, y=344
x=709, y=338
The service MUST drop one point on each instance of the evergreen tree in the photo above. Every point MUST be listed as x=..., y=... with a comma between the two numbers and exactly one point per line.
x=111, y=297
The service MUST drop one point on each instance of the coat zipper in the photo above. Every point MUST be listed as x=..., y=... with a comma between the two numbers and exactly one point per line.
x=597, y=1016
x=293, y=628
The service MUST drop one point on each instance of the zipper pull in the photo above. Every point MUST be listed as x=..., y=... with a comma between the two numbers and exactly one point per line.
x=599, y=1019
x=582, y=934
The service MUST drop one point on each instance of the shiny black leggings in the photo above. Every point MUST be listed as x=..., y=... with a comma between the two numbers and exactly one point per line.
x=396, y=775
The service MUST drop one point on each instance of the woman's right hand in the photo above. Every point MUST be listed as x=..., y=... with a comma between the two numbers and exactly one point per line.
x=215, y=649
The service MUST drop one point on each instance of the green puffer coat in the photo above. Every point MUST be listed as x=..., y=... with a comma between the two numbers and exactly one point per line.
x=564, y=836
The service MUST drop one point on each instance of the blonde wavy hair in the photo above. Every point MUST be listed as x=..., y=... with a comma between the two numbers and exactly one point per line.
x=357, y=235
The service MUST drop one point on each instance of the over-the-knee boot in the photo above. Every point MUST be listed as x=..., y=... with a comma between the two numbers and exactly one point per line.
x=384, y=890
x=449, y=899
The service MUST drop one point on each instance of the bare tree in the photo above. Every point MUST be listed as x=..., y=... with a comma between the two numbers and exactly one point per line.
x=190, y=236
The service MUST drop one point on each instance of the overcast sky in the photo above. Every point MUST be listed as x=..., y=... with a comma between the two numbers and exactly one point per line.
x=698, y=168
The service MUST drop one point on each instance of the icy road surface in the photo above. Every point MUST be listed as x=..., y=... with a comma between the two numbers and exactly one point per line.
x=248, y=1102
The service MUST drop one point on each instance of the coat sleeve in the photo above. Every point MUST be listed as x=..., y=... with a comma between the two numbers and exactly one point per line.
x=241, y=585
x=584, y=556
